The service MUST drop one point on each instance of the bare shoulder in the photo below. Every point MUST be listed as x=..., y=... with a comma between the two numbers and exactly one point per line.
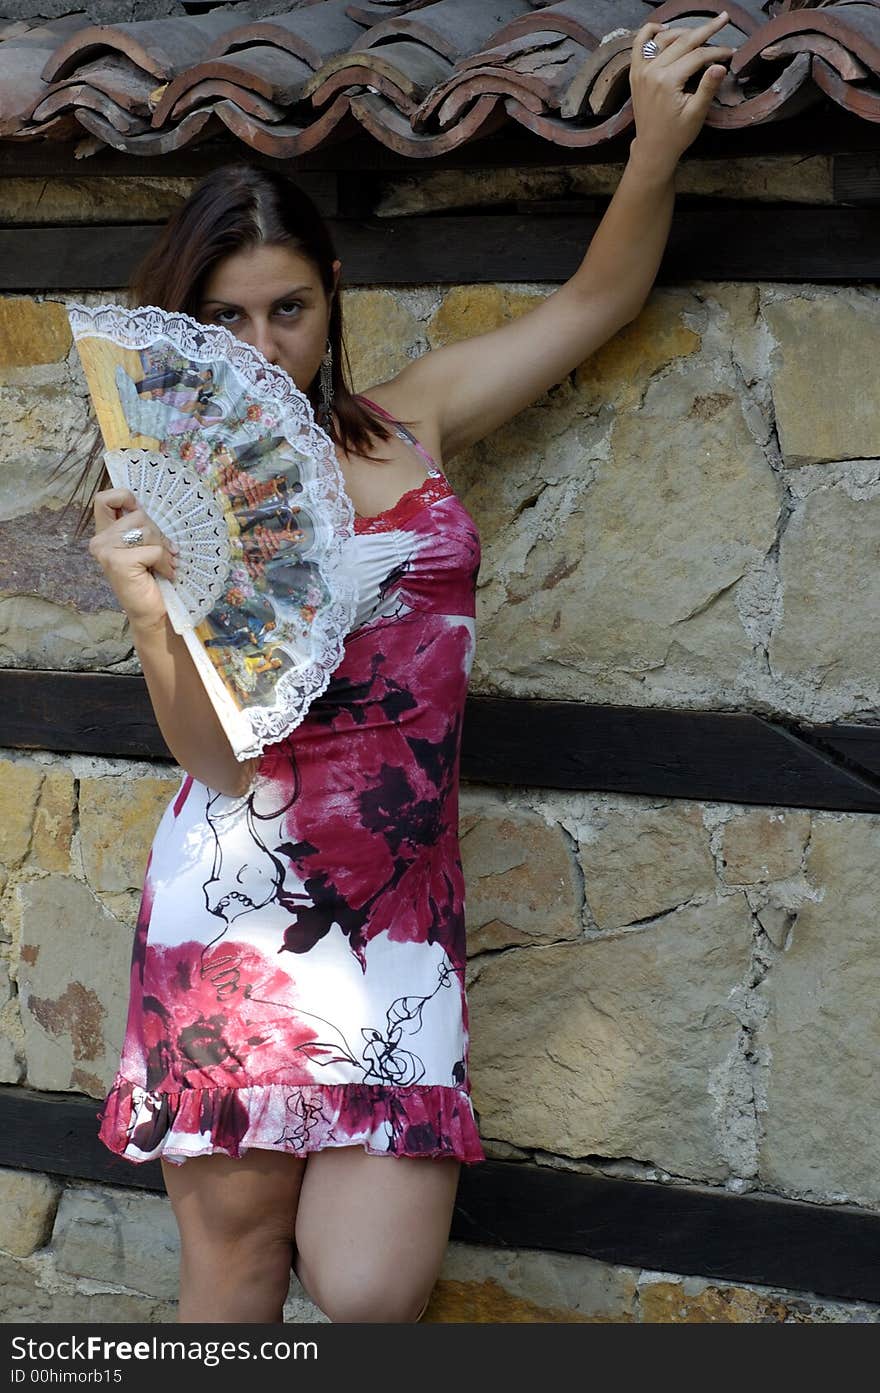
x=404, y=398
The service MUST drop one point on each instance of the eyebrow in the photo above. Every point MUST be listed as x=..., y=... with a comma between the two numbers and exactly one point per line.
x=228, y=304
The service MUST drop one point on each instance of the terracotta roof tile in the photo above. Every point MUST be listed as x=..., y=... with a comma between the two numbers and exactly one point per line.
x=455, y=28
x=151, y=142
x=162, y=47
x=271, y=72
x=284, y=141
x=79, y=96
x=210, y=93
x=314, y=34
x=587, y=21
x=116, y=76
x=421, y=77
x=22, y=59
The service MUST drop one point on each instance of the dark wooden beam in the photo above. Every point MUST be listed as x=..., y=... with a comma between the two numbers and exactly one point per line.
x=689, y=1229
x=856, y=178
x=735, y=757
x=736, y=242
x=72, y=258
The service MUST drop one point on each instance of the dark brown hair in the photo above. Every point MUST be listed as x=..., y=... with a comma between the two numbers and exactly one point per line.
x=240, y=206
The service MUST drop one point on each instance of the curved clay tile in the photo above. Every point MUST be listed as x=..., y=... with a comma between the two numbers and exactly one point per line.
x=856, y=26
x=44, y=33
x=407, y=69
x=421, y=77
x=790, y=92
x=270, y=72
x=560, y=132
x=745, y=15
x=162, y=47
x=60, y=128
x=586, y=21
x=286, y=141
x=862, y=100
x=115, y=75
x=456, y=104
x=602, y=84
x=534, y=68
x=313, y=34
x=405, y=99
x=21, y=87
x=608, y=90
x=15, y=28
x=214, y=90
x=383, y=121
x=454, y=28
x=150, y=142
x=368, y=14
x=79, y=96
x=611, y=58
x=845, y=64
x=514, y=50
x=22, y=59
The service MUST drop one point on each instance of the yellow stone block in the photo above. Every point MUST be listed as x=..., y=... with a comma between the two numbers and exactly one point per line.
x=378, y=332
x=468, y=310
x=53, y=821
x=32, y=332
x=761, y=846
x=670, y=1303
x=823, y=375
x=118, y=818
x=489, y=1303
x=620, y=371
x=19, y=789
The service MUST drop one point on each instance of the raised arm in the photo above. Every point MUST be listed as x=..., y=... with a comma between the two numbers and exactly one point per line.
x=471, y=388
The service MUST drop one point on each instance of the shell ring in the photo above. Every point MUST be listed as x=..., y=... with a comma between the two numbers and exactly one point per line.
x=650, y=49
x=133, y=537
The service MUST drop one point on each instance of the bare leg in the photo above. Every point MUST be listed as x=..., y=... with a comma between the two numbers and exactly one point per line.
x=371, y=1232
x=236, y=1220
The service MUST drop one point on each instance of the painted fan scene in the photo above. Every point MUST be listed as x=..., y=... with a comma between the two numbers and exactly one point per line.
x=273, y=591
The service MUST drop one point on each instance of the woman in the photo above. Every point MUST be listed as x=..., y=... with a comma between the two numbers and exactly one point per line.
x=296, y=1050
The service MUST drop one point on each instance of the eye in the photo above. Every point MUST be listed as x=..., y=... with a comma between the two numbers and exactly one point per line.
x=292, y=305
x=219, y=313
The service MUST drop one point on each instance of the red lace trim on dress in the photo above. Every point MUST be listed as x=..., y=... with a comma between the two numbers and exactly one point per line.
x=431, y=491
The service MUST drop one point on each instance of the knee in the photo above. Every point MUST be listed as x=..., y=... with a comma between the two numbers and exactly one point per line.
x=236, y=1235
x=257, y=1252
x=368, y=1298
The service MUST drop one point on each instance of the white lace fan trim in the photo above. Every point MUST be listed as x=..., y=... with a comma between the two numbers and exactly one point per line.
x=251, y=728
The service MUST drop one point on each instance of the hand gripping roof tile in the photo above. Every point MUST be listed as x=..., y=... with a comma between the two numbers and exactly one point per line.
x=419, y=76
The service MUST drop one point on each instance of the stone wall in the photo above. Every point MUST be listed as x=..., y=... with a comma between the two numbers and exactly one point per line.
x=660, y=989
x=90, y=1254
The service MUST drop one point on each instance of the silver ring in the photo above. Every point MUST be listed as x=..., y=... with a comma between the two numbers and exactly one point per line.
x=650, y=49
x=133, y=537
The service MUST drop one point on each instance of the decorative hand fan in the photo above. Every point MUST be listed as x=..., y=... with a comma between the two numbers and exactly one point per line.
x=222, y=450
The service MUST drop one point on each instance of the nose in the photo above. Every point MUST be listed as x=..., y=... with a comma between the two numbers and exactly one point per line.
x=259, y=335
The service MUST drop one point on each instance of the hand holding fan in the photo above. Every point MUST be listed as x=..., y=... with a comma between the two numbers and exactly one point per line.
x=221, y=449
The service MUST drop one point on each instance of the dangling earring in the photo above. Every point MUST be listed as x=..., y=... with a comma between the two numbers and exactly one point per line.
x=325, y=384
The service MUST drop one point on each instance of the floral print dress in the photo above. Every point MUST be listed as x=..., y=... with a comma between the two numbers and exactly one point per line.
x=297, y=977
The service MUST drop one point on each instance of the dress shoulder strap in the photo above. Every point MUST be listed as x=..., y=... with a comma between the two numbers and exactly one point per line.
x=401, y=428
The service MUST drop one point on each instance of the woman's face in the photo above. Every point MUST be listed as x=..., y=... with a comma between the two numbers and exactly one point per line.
x=272, y=297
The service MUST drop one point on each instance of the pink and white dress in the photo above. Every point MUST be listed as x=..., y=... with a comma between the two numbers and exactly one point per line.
x=297, y=976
